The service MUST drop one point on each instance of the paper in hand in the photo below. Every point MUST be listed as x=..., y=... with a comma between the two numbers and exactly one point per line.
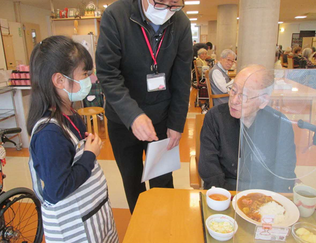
x=159, y=160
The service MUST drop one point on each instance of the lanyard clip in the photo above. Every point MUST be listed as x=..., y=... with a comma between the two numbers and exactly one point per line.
x=154, y=68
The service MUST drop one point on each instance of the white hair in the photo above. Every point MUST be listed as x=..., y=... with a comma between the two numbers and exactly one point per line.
x=202, y=50
x=307, y=52
x=227, y=52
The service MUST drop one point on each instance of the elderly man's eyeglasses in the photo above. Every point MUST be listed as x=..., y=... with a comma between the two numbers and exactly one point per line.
x=232, y=91
x=162, y=6
x=230, y=61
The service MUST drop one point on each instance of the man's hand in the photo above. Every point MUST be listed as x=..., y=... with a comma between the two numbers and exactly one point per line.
x=143, y=129
x=174, y=138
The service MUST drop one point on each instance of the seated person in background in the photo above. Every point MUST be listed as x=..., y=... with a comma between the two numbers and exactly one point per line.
x=269, y=131
x=297, y=56
x=305, y=62
x=201, y=61
x=219, y=75
x=198, y=46
x=312, y=58
x=287, y=52
x=280, y=50
x=277, y=61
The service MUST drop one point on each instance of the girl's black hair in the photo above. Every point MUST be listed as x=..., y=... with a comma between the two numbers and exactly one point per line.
x=55, y=54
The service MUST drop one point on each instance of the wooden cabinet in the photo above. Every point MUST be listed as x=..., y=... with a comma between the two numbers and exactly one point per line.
x=9, y=52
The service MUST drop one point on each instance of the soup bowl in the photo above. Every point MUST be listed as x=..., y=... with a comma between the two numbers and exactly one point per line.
x=218, y=205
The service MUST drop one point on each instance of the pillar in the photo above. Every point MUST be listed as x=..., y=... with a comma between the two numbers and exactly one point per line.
x=257, y=35
x=211, y=32
x=226, y=28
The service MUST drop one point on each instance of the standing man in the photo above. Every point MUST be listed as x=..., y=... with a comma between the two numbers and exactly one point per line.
x=143, y=62
x=219, y=75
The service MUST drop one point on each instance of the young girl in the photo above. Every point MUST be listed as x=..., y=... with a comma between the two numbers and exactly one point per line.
x=66, y=177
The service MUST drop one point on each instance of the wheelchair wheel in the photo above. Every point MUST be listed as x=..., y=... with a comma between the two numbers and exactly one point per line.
x=20, y=217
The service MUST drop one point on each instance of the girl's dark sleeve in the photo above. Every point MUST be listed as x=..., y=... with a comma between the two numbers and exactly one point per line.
x=53, y=162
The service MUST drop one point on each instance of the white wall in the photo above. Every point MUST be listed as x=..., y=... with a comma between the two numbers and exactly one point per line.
x=285, y=38
x=204, y=29
x=29, y=14
x=7, y=10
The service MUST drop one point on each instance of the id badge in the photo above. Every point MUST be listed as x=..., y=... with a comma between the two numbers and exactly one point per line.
x=156, y=82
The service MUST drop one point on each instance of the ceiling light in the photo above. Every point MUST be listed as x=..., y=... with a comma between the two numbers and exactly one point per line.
x=192, y=12
x=192, y=19
x=191, y=2
x=237, y=17
x=280, y=22
x=300, y=17
x=105, y=5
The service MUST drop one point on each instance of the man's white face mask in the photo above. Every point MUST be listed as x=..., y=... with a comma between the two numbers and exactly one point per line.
x=158, y=17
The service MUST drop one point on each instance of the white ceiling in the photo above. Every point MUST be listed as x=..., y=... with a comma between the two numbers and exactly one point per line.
x=207, y=9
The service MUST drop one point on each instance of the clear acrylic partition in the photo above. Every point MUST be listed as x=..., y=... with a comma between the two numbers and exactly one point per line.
x=277, y=147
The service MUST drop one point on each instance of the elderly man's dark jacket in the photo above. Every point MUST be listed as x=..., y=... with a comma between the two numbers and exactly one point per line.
x=267, y=151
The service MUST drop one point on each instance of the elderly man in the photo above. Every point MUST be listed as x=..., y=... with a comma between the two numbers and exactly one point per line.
x=267, y=150
x=218, y=75
x=143, y=63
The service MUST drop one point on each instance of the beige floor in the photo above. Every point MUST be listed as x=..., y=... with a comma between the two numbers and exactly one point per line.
x=18, y=175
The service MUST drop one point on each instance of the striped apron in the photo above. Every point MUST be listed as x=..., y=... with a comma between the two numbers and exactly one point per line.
x=86, y=214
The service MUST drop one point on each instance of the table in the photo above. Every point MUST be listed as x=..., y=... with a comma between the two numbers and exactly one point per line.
x=166, y=215
x=297, y=92
x=173, y=216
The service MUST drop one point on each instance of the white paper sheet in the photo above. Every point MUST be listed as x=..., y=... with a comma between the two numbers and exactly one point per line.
x=159, y=160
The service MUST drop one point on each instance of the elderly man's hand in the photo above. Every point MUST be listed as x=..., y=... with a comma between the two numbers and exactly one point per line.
x=143, y=129
x=174, y=138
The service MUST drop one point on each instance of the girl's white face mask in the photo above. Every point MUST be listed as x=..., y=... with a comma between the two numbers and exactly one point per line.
x=158, y=17
x=85, y=87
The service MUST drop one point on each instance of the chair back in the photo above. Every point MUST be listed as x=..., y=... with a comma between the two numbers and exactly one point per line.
x=195, y=179
x=290, y=62
x=209, y=90
x=282, y=61
x=199, y=119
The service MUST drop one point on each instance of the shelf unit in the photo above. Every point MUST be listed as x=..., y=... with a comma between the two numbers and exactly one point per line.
x=83, y=26
x=81, y=18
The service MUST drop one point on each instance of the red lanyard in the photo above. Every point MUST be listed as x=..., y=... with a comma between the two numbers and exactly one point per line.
x=74, y=126
x=149, y=46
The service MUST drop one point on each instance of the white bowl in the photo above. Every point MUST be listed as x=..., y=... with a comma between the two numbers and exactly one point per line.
x=218, y=205
x=221, y=218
